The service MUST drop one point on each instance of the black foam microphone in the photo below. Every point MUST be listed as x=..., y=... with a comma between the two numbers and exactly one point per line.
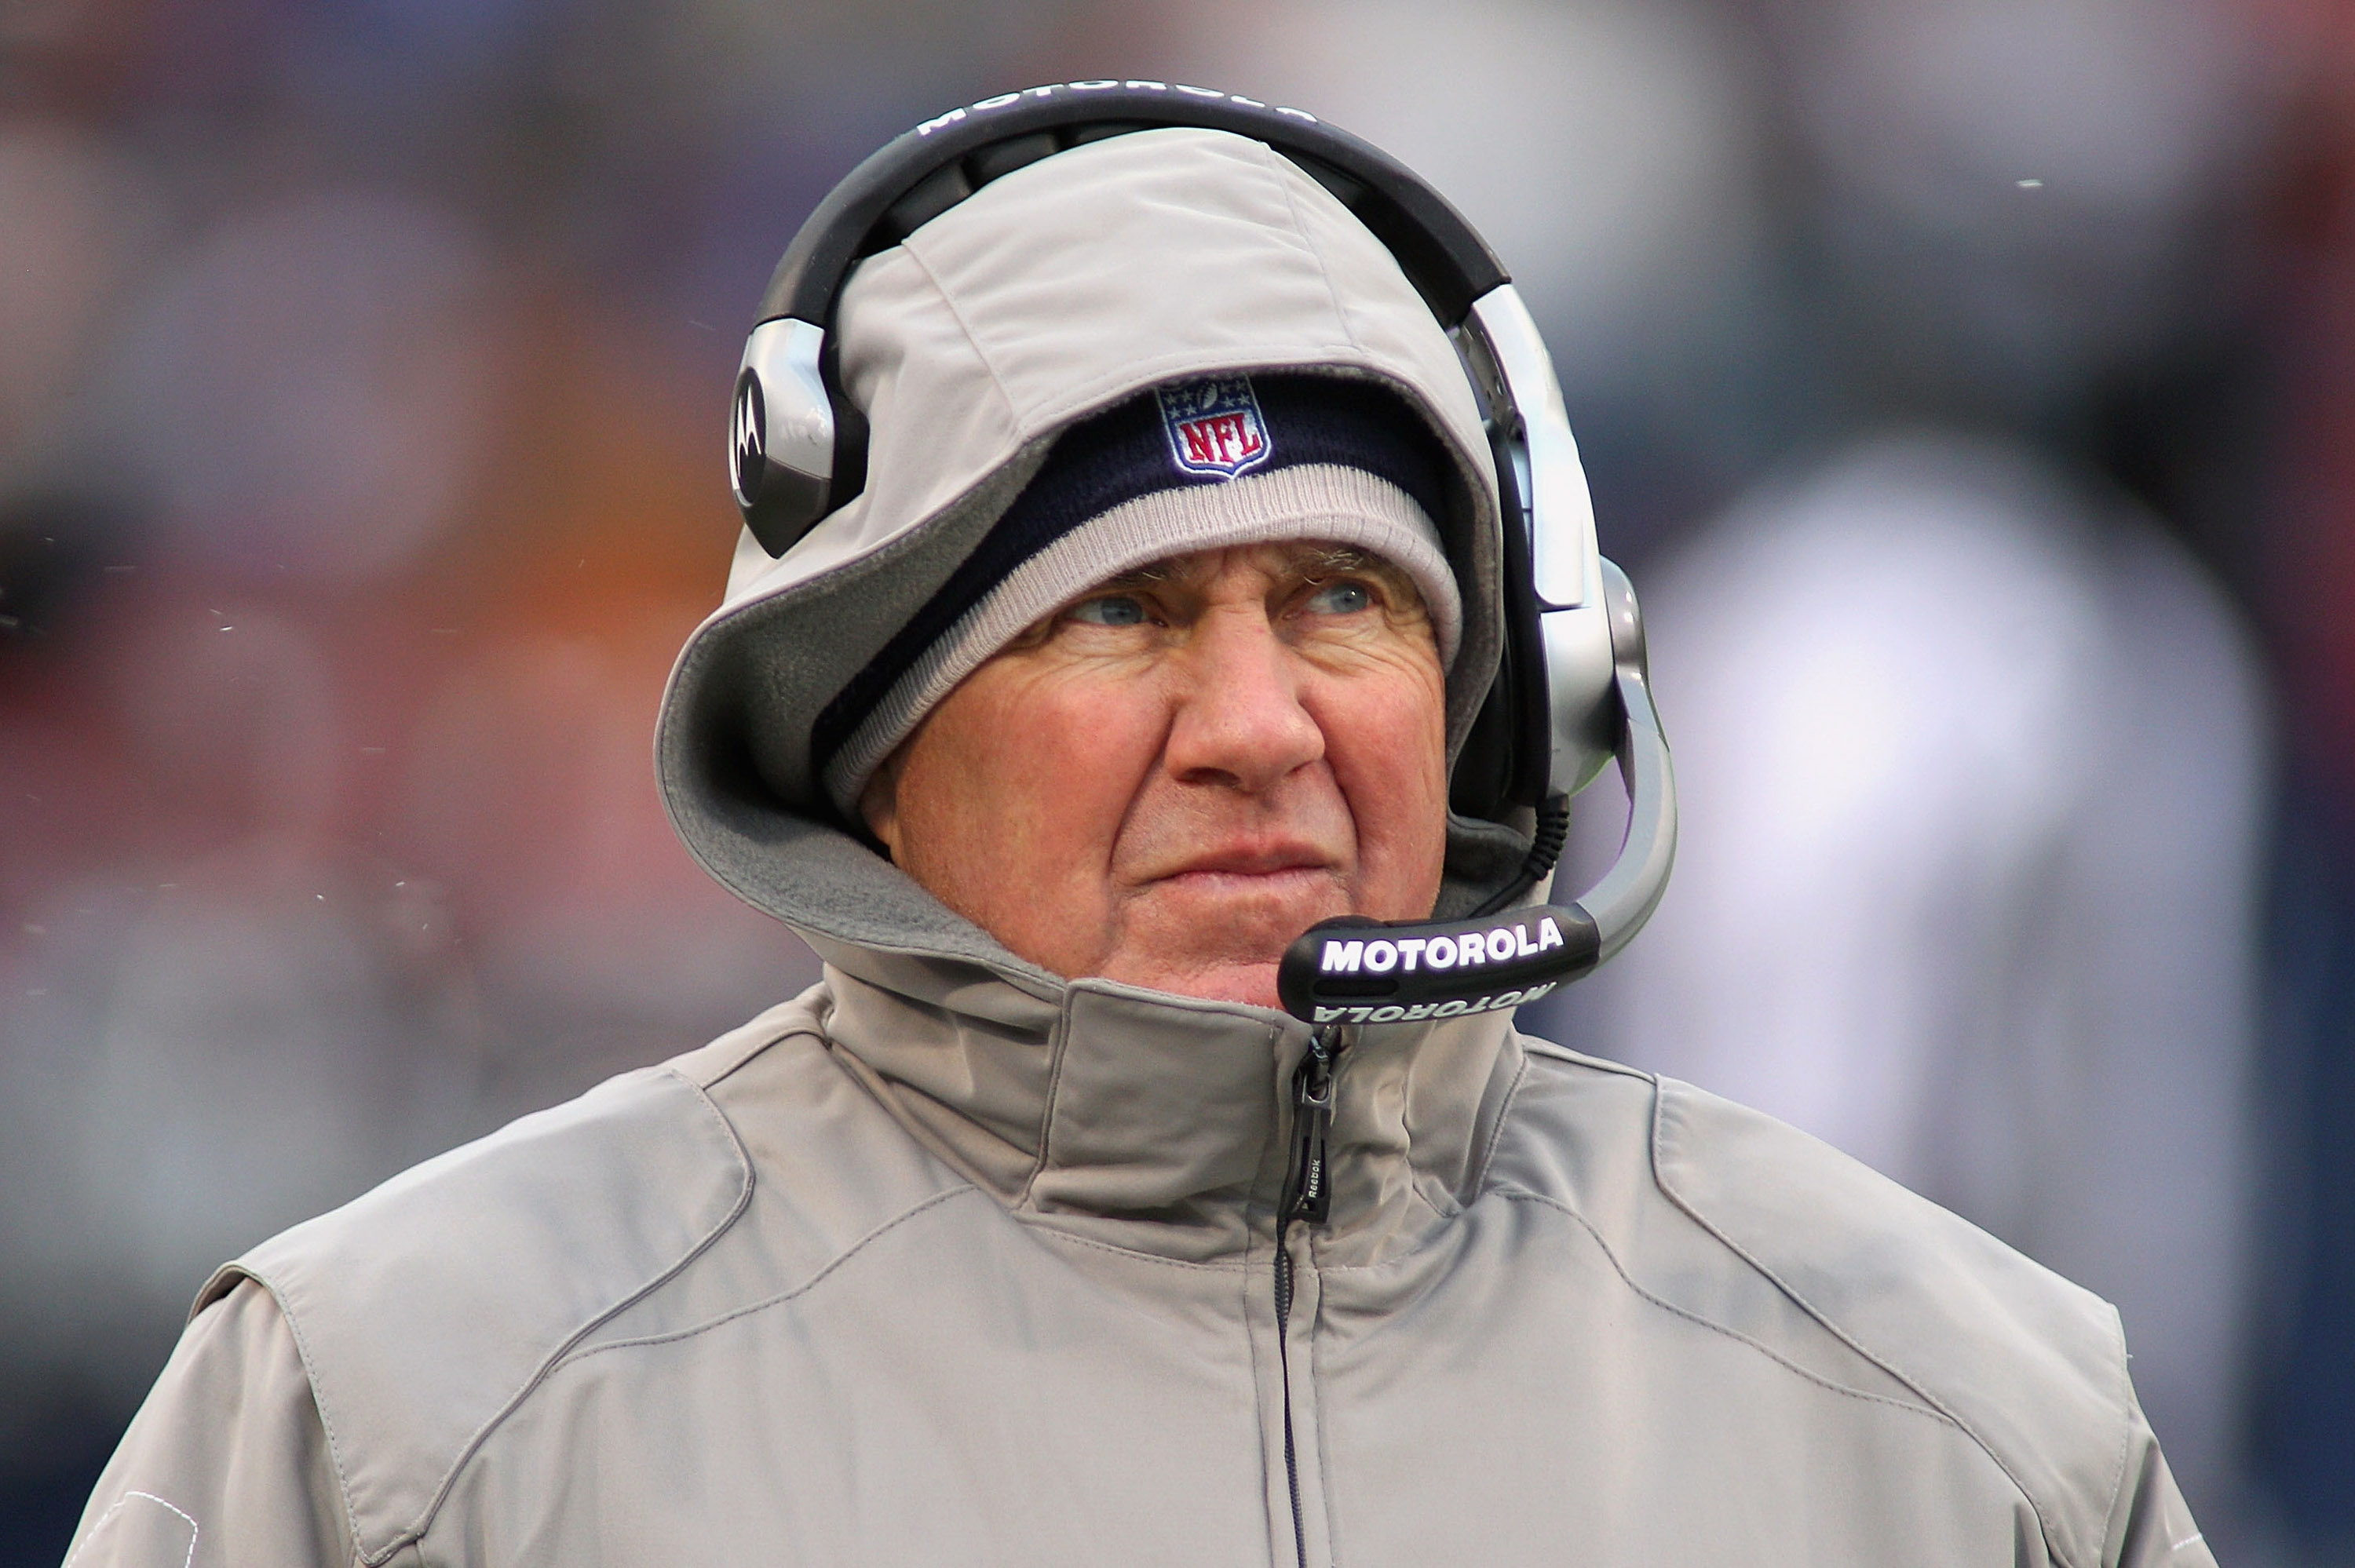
x=1351, y=970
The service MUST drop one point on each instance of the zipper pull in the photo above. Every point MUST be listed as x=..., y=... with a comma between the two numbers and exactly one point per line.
x=1308, y=1196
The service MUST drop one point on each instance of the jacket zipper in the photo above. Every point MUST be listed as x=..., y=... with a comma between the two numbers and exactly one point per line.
x=1307, y=1196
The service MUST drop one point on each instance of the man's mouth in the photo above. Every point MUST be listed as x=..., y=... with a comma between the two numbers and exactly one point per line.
x=1254, y=862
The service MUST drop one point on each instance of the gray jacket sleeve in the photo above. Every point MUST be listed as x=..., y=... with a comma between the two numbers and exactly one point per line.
x=226, y=1464
x=2151, y=1527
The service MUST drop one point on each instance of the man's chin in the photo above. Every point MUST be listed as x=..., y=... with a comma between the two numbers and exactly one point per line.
x=1220, y=940
x=1235, y=916
x=1249, y=982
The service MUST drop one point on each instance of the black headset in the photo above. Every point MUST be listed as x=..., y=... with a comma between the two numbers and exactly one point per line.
x=1570, y=691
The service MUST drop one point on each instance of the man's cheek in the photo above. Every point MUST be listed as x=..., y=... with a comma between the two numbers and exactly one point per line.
x=1392, y=773
x=1392, y=754
x=1061, y=821
x=1092, y=761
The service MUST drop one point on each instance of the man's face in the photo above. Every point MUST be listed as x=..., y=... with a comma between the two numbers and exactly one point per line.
x=1173, y=777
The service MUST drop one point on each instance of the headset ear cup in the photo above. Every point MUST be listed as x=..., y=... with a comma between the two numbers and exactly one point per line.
x=1485, y=765
x=1517, y=720
x=793, y=454
x=1528, y=780
x=849, y=453
x=786, y=506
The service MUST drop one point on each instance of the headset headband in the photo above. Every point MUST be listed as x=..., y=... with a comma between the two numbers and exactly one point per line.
x=924, y=172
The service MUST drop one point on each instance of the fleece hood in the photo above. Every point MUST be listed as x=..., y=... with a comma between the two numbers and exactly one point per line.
x=1052, y=294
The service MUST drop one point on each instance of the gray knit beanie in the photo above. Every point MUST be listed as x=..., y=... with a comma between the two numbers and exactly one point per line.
x=1191, y=466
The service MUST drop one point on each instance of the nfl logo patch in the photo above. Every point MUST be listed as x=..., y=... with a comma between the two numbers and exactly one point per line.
x=1214, y=424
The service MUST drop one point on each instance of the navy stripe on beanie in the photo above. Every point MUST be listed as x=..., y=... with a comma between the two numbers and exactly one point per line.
x=1138, y=448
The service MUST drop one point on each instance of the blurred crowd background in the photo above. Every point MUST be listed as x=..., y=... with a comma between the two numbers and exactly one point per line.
x=1968, y=384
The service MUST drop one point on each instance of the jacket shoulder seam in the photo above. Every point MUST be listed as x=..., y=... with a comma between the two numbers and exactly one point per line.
x=2043, y=1521
x=310, y=1375
x=472, y=1445
x=747, y=1052
x=326, y=1423
x=1522, y=1195
x=1504, y=1120
x=2126, y=1429
x=1563, y=1056
x=571, y=1356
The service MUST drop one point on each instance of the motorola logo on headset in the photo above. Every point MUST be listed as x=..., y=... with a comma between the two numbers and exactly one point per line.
x=1439, y=951
x=1416, y=1013
x=1354, y=971
x=748, y=437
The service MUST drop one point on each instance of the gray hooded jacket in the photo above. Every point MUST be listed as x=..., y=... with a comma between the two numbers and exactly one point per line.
x=952, y=1261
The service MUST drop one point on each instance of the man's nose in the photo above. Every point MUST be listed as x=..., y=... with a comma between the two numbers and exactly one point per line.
x=1240, y=720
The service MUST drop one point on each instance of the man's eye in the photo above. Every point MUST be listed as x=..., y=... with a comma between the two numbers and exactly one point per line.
x=1341, y=599
x=1112, y=609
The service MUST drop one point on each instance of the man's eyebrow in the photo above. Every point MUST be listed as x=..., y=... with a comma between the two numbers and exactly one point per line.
x=1334, y=560
x=1146, y=575
x=1329, y=561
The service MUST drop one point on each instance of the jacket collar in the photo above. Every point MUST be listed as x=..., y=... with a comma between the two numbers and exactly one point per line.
x=1161, y=1123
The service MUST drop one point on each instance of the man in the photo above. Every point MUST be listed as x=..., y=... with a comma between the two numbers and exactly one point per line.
x=1049, y=742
